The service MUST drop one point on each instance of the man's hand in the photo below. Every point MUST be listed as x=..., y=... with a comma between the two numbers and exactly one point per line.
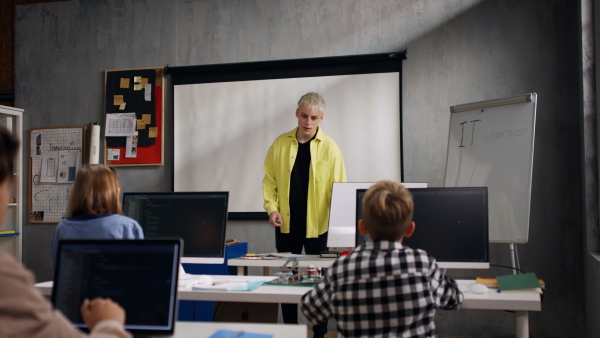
x=99, y=309
x=275, y=219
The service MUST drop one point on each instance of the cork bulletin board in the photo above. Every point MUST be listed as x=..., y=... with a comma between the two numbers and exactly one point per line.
x=134, y=122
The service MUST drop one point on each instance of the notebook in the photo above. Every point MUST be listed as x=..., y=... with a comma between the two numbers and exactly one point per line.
x=140, y=275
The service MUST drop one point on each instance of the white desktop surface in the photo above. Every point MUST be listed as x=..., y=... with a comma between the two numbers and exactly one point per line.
x=206, y=329
x=492, y=300
x=520, y=302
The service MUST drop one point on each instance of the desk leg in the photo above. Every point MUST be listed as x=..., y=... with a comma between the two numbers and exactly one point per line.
x=240, y=271
x=522, y=319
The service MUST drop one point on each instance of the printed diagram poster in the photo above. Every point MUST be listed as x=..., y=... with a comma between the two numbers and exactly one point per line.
x=56, y=156
x=49, y=166
x=69, y=162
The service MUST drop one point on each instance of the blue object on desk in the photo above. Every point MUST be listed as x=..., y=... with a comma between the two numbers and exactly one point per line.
x=201, y=310
x=12, y=234
x=238, y=334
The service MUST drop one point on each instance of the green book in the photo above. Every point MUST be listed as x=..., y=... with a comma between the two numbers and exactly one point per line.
x=518, y=282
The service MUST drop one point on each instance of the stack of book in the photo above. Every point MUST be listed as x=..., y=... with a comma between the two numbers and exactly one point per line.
x=525, y=282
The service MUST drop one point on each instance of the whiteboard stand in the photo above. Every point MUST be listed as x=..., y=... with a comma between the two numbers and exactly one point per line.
x=490, y=144
x=515, y=258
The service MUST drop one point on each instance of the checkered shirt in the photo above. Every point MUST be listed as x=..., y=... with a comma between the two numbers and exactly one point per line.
x=382, y=289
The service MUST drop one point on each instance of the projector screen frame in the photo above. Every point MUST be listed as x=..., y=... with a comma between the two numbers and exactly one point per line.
x=286, y=69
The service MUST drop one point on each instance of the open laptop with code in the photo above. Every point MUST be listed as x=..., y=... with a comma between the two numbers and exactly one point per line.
x=140, y=275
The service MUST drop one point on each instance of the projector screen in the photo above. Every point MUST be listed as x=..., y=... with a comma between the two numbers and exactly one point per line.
x=227, y=116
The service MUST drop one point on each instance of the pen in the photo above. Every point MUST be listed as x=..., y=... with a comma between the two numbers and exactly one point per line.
x=234, y=334
x=219, y=283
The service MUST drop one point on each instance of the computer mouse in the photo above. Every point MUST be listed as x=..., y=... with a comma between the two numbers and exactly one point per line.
x=478, y=288
x=204, y=279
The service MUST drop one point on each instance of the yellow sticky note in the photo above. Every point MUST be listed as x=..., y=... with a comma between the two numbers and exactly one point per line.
x=124, y=82
x=122, y=106
x=147, y=118
x=144, y=81
x=141, y=124
x=152, y=132
x=118, y=99
x=137, y=86
x=137, y=79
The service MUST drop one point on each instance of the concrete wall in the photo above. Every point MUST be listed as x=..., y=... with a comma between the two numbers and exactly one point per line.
x=459, y=51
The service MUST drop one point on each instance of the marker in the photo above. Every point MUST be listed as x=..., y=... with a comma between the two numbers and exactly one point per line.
x=220, y=282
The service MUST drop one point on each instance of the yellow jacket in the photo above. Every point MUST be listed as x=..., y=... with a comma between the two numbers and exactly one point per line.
x=326, y=167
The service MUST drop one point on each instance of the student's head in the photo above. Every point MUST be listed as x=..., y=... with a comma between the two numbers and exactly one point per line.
x=310, y=112
x=96, y=191
x=9, y=146
x=387, y=211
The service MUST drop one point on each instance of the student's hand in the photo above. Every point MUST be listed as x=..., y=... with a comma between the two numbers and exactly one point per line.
x=99, y=309
x=275, y=219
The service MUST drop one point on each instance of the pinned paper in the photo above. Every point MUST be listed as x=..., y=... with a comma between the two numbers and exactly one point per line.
x=137, y=79
x=148, y=92
x=141, y=124
x=131, y=146
x=137, y=86
x=113, y=154
x=122, y=106
x=147, y=118
x=144, y=81
x=152, y=132
x=124, y=82
x=118, y=99
x=68, y=164
x=49, y=167
x=120, y=124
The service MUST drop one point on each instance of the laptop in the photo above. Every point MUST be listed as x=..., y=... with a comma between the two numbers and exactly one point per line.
x=140, y=275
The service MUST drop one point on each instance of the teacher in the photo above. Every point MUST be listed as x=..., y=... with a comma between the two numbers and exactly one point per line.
x=300, y=168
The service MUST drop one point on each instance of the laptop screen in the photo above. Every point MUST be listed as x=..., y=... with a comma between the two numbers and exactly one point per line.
x=140, y=275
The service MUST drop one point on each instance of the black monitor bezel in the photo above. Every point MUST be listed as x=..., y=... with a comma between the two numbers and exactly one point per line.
x=482, y=263
x=194, y=257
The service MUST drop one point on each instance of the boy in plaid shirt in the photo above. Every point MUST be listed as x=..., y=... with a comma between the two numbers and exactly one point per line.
x=383, y=289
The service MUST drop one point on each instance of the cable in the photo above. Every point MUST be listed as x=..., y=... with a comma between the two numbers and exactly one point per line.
x=508, y=267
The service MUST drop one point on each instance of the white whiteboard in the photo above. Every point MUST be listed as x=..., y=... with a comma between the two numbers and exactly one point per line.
x=342, y=215
x=491, y=144
x=222, y=130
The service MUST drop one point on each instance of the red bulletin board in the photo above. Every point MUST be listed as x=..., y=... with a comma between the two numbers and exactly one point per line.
x=146, y=154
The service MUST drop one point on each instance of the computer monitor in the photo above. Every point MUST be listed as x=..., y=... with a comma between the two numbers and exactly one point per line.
x=451, y=224
x=342, y=229
x=199, y=218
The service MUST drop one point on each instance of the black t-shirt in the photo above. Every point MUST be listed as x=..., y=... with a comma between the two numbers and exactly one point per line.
x=299, y=189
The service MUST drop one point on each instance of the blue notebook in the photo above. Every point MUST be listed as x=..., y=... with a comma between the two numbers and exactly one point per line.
x=238, y=334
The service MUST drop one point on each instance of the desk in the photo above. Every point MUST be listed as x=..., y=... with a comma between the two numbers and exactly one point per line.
x=520, y=302
x=263, y=294
x=206, y=329
x=314, y=260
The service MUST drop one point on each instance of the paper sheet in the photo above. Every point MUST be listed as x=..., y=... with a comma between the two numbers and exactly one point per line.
x=120, y=124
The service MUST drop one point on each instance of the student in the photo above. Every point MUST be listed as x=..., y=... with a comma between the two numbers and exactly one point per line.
x=94, y=209
x=300, y=168
x=23, y=311
x=383, y=288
